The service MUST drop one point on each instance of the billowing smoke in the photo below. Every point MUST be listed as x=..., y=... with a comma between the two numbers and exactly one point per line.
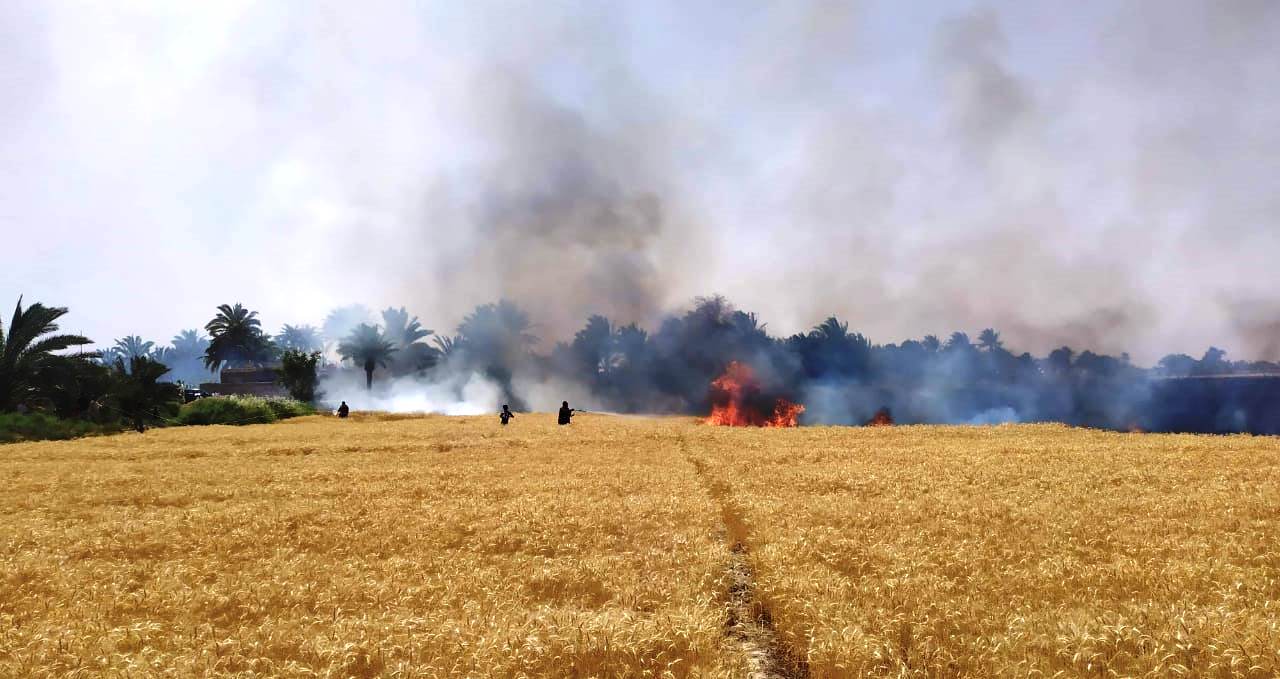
x=713, y=359
x=470, y=394
x=1094, y=176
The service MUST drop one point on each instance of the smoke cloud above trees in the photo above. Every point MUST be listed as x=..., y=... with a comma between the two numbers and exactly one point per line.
x=1099, y=177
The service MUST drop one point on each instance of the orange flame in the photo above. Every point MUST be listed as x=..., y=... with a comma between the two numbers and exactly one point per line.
x=882, y=418
x=732, y=394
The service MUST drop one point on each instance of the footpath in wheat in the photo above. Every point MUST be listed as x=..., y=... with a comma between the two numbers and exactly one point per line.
x=638, y=547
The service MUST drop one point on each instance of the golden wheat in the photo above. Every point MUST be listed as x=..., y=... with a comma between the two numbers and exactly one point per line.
x=411, y=547
x=1010, y=551
x=392, y=546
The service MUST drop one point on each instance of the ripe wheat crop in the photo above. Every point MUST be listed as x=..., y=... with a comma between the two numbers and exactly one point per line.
x=619, y=546
x=1010, y=551
x=369, y=547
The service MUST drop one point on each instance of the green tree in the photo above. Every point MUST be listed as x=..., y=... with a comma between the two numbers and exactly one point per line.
x=405, y=332
x=593, y=349
x=495, y=339
x=237, y=338
x=1212, y=363
x=77, y=385
x=189, y=343
x=1059, y=361
x=298, y=373
x=27, y=348
x=989, y=340
x=831, y=330
x=446, y=346
x=497, y=333
x=132, y=345
x=141, y=395
x=631, y=344
x=185, y=357
x=832, y=350
x=303, y=338
x=1176, y=365
x=367, y=347
x=958, y=341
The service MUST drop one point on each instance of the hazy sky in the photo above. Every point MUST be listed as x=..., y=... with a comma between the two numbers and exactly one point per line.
x=1105, y=176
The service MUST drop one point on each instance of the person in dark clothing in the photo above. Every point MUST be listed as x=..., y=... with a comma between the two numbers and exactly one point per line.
x=344, y=410
x=506, y=414
x=566, y=413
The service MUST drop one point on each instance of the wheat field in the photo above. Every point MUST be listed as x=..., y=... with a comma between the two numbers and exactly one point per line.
x=627, y=546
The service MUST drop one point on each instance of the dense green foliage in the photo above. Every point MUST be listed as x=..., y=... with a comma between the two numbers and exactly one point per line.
x=285, y=408
x=298, y=374
x=239, y=410
x=405, y=332
x=27, y=349
x=838, y=375
x=40, y=427
x=140, y=395
x=237, y=339
x=304, y=338
x=368, y=348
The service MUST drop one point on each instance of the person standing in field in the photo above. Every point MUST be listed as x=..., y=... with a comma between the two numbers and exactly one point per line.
x=506, y=414
x=344, y=410
x=566, y=413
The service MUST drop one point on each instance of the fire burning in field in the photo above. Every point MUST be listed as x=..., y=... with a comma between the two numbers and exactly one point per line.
x=882, y=418
x=737, y=401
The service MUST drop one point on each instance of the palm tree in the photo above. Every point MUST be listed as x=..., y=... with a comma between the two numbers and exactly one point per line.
x=404, y=331
x=185, y=357
x=131, y=346
x=1212, y=363
x=958, y=341
x=341, y=321
x=931, y=343
x=593, y=348
x=495, y=340
x=832, y=348
x=28, y=348
x=189, y=343
x=237, y=337
x=1059, y=360
x=165, y=355
x=831, y=330
x=368, y=347
x=497, y=332
x=446, y=345
x=304, y=338
x=106, y=357
x=141, y=394
x=989, y=340
x=401, y=328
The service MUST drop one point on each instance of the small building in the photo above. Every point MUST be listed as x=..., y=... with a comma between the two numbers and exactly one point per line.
x=257, y=381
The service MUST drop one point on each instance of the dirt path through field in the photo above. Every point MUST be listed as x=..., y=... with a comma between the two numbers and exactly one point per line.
x=750, y=623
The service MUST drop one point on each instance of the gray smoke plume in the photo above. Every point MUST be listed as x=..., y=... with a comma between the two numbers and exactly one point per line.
x=1101, y=176
x=566, y=218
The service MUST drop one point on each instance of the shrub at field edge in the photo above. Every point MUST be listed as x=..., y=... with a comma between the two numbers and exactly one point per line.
x=241, y=410
x=41, y=427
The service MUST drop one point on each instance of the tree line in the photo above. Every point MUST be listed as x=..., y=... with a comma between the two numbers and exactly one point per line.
x=840, y=375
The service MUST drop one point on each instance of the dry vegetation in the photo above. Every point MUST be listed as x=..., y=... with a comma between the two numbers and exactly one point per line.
x=411, y=547
x=1010, y=551
x=387, y=546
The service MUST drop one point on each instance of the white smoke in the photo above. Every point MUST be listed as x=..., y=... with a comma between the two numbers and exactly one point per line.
x=469, y=394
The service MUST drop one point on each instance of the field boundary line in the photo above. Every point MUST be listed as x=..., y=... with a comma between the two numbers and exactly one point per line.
x=749, y=625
